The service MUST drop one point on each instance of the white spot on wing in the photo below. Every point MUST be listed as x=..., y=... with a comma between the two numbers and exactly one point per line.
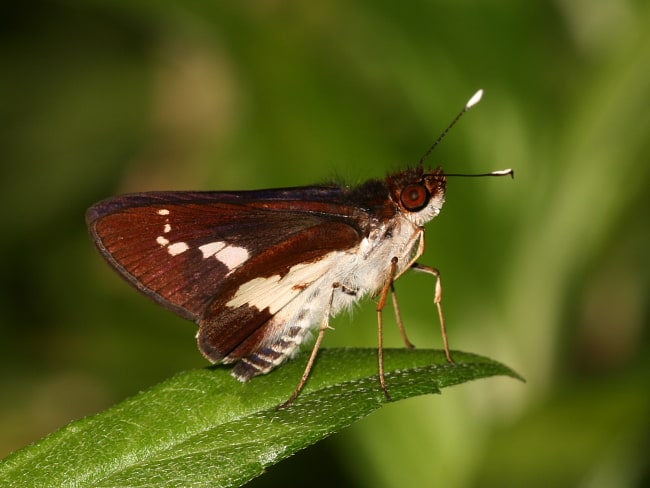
x=167, y=228
x=173, y=249
x=211, y=248
x=177, y=248
x=163, y=211
x=232, y=256
x=275, y=292
x=256, y=292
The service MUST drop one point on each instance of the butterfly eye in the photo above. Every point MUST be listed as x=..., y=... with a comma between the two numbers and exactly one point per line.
x=414, y=197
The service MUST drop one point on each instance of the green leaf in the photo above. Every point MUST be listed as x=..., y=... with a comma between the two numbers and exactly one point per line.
x=203, y=428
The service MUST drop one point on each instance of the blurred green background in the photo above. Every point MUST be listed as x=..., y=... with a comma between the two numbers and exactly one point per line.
x=548, y=273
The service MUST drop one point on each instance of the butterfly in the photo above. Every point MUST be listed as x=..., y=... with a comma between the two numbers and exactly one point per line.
x=260, y=271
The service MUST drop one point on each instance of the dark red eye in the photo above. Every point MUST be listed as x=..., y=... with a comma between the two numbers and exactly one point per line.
x=414, y=197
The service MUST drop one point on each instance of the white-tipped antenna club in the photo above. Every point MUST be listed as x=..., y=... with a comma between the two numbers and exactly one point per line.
x=500, y=172
x=474, y=100
x=503, y=172
x=470, y=103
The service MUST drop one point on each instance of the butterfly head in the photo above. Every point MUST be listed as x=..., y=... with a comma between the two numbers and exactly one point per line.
x=418, y=193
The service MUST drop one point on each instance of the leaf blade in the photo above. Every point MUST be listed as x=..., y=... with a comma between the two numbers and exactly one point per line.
x=202, y=428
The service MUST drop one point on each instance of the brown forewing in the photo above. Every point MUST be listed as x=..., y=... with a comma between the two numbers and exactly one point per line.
x=277, y=233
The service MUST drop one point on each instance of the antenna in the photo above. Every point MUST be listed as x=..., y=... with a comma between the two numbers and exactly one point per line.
x=499, y=172
x=470, y=103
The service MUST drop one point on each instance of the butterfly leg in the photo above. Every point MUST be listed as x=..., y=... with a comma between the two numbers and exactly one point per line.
x=380, y=324
x=438, y=301
x=398, y=317
x=319, y=340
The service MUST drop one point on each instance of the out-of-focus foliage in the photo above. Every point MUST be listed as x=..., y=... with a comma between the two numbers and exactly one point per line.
x=548, y=273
